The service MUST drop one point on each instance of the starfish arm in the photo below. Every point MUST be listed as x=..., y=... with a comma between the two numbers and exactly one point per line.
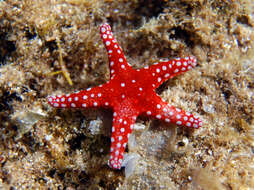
x=163, y=111
x=91, y=97
x=121, y=130
x=164, y=70
x=117, y=60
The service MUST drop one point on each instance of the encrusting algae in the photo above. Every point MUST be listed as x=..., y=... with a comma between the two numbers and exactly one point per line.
x=41, y=147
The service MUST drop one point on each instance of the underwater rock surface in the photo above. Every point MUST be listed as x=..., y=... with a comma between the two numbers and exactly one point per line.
x=53, y=47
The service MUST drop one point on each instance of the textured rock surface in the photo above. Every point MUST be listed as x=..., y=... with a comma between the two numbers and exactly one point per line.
x=48, y=45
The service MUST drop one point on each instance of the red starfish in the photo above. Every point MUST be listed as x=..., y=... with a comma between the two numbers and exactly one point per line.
x=130, y=93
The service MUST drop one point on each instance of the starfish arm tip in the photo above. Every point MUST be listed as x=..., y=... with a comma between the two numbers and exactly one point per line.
x=193, y=61
x=112, y=164
x=51, y=101
x=104, y=28
x=193, y=122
